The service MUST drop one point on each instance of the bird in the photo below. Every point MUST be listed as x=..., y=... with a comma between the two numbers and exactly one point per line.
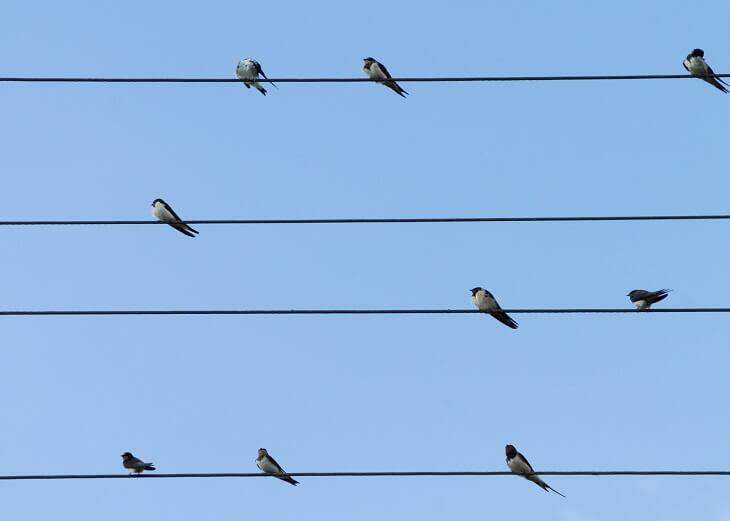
x=518, y=464
x=269, y=465
x=643, y=299
x=135, y=465
x=377, y=71
x=248, y=71
x=697, y=66
x=485, y=301
x=166, y=214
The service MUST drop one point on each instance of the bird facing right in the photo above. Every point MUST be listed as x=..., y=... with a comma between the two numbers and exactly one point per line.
x=135, y=465
x=697, y=66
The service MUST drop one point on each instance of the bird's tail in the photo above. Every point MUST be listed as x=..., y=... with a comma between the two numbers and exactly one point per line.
x=544, y=485
x=396, y=88
x=505, y=319
x=260, y=88
x=288, y=479
x=149, y=466
x=661, y=294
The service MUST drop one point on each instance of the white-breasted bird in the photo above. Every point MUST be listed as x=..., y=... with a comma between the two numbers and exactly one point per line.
x=643, y=299
x=166, y=214
x=518, y=464
x=377, y=71
x=135, y=465
x=697, y=66
x=248, y=71
x=485, y=301
x=269, y=465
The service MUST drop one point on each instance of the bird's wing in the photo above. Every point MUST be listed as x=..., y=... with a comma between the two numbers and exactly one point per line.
x=172, y=212
x=384, y=70
x=712, y=73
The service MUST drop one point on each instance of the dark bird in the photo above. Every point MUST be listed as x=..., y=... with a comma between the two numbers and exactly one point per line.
x=643, y=299
x=135, y=465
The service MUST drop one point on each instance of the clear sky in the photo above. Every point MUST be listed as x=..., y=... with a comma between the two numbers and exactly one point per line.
x=329, y=393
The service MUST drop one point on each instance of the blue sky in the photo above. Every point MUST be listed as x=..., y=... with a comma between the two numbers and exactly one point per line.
x=202, y=394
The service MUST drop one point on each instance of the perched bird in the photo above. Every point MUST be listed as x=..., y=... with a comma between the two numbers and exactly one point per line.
x=166, y=214
x=248, y=71
x=697, y=66
x=269, y=465
x=518, y=464
x=135, y=465
x=485, y=301
x=643, y=299
x=377, y=71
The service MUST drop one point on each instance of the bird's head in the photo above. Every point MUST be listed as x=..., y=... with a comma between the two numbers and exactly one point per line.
x=698, y=52
x=127, y=455
x=633, y=292
x=154, y=203
x=262, y=452
x=474, y=290
x=510, y=451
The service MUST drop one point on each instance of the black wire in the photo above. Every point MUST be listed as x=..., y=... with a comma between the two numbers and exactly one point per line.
x=374, y=474
x=349, y=311
x=706, y=217
x=356, y=80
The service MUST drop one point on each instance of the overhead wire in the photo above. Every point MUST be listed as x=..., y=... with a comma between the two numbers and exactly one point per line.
x=371, y=474
x=117, y=312
x=417, y=79
x=377, y=220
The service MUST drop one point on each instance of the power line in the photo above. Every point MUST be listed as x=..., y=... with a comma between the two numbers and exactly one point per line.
x=374, y=474
x=350, y=311
x=426, y=79
x=385, y=220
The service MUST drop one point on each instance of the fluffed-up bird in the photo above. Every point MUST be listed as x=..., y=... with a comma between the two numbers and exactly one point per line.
x=518, y=464
x=135, y=465
x=697, y=66
x=248, y=71
x=643, y=299
x=269, y=465
x=166, y=214
x=377, y=71
x=485, y=301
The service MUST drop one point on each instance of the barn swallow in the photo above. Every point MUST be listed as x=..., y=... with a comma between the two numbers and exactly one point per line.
x=485, y=301
x=697, y=66
x=518, y=464
x=643, y=299
x=377, y=71
x=135, y=465
x=269, y=465
x=166, y=214
x=248, y=71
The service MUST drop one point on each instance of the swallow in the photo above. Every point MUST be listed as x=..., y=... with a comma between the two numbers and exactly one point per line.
x=135, y=465
x=166, y=214
x=485, y=301
x=518, y=464
x=377, y=71
x=643, y=299
x=269, y=465
x=248, y=71
x=697, y=66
